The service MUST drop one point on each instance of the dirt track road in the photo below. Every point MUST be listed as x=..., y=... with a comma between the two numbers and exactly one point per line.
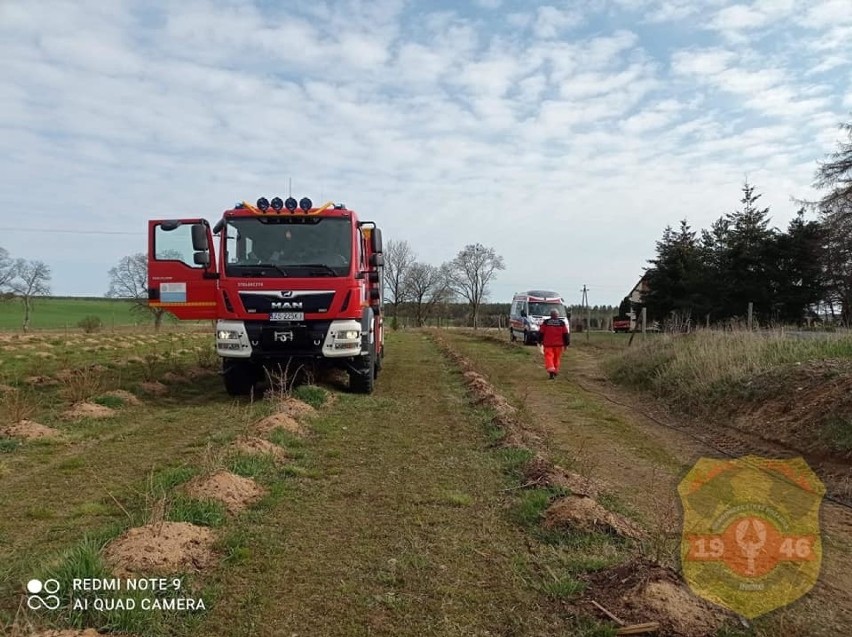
x=603, y=432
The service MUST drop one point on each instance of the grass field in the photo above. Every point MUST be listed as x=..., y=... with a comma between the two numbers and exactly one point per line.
x=407, y=512
x=66, y=313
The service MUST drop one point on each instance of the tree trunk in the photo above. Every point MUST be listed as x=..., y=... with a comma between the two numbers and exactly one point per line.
x=27, y=309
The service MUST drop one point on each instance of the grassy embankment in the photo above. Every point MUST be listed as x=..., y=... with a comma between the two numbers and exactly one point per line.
x=804, y=380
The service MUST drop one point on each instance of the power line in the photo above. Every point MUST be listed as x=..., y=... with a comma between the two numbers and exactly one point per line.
x=63, y=231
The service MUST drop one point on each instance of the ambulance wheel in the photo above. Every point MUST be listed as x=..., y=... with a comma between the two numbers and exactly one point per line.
x=239, y=377
x=528, y=338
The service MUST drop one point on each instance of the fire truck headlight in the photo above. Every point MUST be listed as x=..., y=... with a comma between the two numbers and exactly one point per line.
x=263, y=204
x=277, y=204
x=349, y=334
x=225, y=335
x=305, y=204
x=290, y=204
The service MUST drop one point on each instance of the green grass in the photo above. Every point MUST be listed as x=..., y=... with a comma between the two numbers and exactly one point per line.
x=201, y=512
x=61, y=313
x=253, y=466
x=837, y=432
x=313, y=395
x=8, y=445
x=113, y=402
x=530, y=506
x=563, y=588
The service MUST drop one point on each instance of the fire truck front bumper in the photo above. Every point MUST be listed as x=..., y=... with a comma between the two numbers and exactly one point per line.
x=311, y=339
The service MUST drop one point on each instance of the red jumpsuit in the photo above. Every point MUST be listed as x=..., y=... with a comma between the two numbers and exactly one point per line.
x=553, y=335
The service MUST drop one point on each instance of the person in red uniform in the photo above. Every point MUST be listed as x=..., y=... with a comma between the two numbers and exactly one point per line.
x=554, y=337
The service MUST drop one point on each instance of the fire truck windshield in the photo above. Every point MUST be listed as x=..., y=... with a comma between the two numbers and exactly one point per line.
x=288, y=246
x=540, y=308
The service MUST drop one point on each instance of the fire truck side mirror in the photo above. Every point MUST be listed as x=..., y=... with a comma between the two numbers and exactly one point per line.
x=376, y=240
x=199, y=238
x=377, y=260
x=201, y=258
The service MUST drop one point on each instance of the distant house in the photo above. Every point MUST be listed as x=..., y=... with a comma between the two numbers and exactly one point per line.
x=639, y=291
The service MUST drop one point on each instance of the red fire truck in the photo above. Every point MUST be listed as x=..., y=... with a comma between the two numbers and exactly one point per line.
x=283, y=280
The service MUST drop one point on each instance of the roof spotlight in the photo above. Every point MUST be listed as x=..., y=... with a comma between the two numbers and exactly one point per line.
x=290, y=204
x=305, y=204
x=263, y=204
x=277, y=204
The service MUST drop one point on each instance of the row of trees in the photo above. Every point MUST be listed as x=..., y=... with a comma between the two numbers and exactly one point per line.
x=789, y=275
x=427, y=290
x=424, y=290
x=23, y=280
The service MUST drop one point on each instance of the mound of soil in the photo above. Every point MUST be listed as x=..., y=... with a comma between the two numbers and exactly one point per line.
x=585, y=514
x=88, y=410
x=280, y=421
x=796, y=405
x=294, y=407
x=154, y=387
x=40, y=381
x=172, y=377
x=258, y=446
x=639, y=592
x=234, y=491
x=29, y=430
x=164, y=548
x=125, y=396
x=542, y=472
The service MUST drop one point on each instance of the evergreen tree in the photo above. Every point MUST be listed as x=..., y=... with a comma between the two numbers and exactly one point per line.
x=676, y=275
x=747, y=250
x=798, y=277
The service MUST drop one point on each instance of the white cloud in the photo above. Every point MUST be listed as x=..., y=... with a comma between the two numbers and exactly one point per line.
x=551, y=21
x=424, y=119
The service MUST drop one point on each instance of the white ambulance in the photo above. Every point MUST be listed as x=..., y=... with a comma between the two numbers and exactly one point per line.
x=528, y=311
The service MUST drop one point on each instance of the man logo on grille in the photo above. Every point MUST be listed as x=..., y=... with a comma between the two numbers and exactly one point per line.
x=751, y=537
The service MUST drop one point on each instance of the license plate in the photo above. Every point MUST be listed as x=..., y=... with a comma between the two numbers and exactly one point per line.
x=287, y=316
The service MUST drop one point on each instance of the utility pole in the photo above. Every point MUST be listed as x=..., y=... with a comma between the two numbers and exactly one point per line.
x=588, y=311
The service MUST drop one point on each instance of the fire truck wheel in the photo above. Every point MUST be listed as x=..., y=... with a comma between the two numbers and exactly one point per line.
x=363, y=382
x=239, y=377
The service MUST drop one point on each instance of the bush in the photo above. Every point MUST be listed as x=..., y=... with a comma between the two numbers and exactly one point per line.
x=90, y=324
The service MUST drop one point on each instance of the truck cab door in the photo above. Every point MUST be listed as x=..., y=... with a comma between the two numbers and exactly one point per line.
x=182, y=276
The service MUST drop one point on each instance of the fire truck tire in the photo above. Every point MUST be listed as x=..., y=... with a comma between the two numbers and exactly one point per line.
x=239, y=377
x=363, y=382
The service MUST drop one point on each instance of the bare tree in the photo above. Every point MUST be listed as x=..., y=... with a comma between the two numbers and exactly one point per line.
x=835, y=175
x=426, y=286
x=32, y=279
x=398, y=257
x=129, y=280
x=7, y=270
x=470, y=273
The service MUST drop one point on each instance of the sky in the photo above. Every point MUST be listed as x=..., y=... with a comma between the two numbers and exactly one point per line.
x=565, y=135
